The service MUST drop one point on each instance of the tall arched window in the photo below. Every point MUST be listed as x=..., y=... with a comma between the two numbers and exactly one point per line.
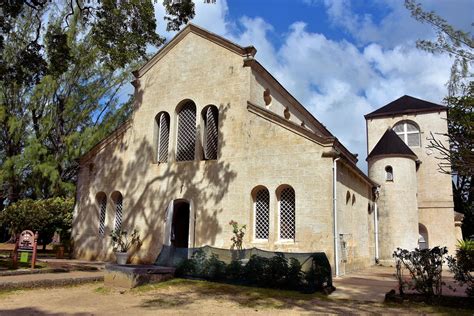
x=388, y=173
x=186, y=141
x=118, y=203
x=286, y=212
x=408, y=132
x=262, y=213
x=101, y=200
x=210, y=115
x=163, y=134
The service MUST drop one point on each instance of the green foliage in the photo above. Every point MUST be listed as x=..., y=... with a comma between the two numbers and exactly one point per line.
x=45, y=216
x=425, y=269
x=239, y=233
x=462, y=266
x=457, y=157
x=214, y=269
x=456, y=43
x=178, y=13
x=122, y=241
x=275, y=272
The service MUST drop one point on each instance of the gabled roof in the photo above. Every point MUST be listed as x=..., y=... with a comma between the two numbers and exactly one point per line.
x=192, y=28
x=406, y=105
x=391, y=145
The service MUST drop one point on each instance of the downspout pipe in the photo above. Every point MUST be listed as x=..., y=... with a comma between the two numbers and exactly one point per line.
x=376, y=224
x=334, y=209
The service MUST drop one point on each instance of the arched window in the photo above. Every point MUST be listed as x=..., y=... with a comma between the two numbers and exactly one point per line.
x=423, y=237
x=388, y=173
x=163, y=134
x=118, y=203
x=186, y=141
x=101, y=200
x=210, y=115
x=286, y=212
x=262, y=213
x=408, y=132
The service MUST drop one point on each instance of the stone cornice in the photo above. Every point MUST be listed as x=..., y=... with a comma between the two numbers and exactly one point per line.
x=295, y=128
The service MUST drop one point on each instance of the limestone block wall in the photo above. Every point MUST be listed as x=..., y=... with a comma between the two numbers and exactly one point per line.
x=355, y=221
x=435, y=197
x=253, y=151
x=397, y=205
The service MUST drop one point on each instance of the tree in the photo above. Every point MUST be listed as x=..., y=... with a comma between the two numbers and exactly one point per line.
x=456, y=159
x=45, y=216
x=61, y=68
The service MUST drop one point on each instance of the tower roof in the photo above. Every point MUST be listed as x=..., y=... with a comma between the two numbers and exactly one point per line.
x=406, y=105
x=391, y=145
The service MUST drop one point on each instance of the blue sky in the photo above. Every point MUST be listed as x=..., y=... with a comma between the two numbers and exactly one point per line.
x=341, y=59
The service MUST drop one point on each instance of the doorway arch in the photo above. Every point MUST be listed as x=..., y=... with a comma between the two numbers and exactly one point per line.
x=179, y=224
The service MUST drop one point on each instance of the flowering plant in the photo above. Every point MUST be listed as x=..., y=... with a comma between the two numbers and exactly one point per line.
x=122, y=241
x=239, y=233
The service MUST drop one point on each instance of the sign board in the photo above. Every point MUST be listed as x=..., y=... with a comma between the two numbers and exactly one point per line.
x=24, y=257
x=26, y=241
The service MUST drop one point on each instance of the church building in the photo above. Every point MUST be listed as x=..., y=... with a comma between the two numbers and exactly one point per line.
x=214, y=138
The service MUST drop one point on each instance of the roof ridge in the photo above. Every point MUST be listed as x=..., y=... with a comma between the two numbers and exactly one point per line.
x=406, y=104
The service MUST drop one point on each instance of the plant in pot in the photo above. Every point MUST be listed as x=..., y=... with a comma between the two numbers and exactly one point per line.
x=122, y=242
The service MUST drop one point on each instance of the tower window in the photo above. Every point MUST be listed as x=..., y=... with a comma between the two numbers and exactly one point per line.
x=408, y=132
x=388, y=173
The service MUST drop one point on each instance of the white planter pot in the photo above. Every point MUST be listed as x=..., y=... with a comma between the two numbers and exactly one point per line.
x=122, y=257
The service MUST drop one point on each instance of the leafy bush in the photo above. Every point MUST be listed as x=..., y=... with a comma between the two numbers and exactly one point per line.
x=214, y=269
x=186, y=267
x=276, y=272
x=122, y=241
x=425, y=268
x=255, y=270
x=234, y=270
x=45, y=216
x=463, y=265
x=317, y=277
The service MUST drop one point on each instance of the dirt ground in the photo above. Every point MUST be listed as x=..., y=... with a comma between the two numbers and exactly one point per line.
x=187, y=297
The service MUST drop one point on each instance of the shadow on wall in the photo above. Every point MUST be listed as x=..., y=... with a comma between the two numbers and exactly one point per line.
x=147, y=190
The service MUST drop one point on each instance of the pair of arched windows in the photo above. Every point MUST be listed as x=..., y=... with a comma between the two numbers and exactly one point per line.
x=186, y=132
x=117, y=200
x=286, y=213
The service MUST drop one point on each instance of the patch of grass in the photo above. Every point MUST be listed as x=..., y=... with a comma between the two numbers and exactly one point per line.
x=103, y=290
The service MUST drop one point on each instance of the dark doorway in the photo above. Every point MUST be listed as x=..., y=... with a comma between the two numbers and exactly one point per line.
x=180, y=225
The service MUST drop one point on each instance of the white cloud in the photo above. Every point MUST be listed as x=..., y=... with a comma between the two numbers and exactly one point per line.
x=340, y=81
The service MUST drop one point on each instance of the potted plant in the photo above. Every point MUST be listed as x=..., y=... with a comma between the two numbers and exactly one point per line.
x=122, y=242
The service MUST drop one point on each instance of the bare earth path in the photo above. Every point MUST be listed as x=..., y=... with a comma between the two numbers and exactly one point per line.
x=183, y=297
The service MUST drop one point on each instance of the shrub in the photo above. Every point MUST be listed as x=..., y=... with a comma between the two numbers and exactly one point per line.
x=425, y=268
x=187, y=267
x=295, y=275
x=276, y=273
x=214, y=269
x=45, y=216
x=255, y=269
x=234, y=270
x=316, y=278
x=463, y=265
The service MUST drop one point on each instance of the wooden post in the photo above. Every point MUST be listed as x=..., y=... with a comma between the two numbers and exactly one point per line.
x=15, y=252
x=35, y=245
